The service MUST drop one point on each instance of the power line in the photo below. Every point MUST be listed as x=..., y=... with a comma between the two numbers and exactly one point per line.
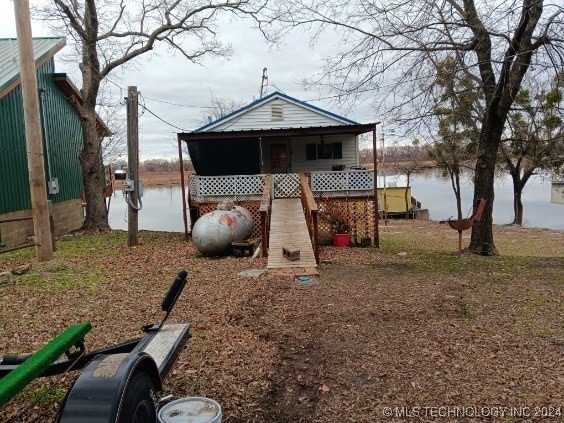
x=177, y=104
x=162, y=120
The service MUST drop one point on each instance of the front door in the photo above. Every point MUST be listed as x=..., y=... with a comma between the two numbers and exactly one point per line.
x=279, y=158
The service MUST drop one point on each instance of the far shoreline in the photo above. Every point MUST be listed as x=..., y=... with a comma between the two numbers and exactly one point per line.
x=155, y=179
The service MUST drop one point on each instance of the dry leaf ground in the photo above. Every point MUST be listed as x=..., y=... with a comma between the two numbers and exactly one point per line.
x=425, y=334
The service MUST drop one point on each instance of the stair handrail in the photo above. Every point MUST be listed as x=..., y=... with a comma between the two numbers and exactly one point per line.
x=311, y=214
x=264, y=210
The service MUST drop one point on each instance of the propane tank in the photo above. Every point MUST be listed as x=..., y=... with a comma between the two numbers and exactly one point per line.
x=245, y=228
x=214, y=232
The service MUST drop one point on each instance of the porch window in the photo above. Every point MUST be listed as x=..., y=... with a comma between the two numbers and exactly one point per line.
x=324, y=151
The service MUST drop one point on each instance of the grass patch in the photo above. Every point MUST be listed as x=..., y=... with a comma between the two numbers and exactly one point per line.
x=57, y=276
x=100, y=245
x=200, y=345
x=528, y=323
x=47, y=395
x=538, y=298
x=27, y=253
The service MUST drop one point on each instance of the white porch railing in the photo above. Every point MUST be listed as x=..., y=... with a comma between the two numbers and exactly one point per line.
x=286, y=185
x=210, y=189
x=353, y=183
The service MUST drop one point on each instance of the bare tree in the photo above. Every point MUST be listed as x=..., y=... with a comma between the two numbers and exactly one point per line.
x=534, y=140
x=220, y=107
x=458, y=133
x=392, y=48
x=114, y=146
x=365, y=156
x=109, y=34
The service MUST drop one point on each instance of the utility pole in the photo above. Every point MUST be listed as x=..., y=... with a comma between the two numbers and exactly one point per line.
x=264, y=82
x=384, y=173
x=375, y=159
x=132, y=193
x=34, y=142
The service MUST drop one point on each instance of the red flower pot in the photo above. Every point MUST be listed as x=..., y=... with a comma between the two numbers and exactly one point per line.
x=341, y=240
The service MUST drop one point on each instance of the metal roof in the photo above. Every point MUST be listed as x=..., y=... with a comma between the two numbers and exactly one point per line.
x=355, y=129
x=43, y=50
x=276, y=94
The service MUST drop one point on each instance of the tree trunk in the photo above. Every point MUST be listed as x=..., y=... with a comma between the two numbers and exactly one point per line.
x=482, y=230
x=457, y=194
x=518, y=207
x=454, y=173
x=92, y=174
x=91, y=154
x=407, y=200
x=519, y=183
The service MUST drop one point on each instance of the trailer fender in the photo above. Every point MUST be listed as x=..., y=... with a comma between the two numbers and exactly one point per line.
x=114, y=388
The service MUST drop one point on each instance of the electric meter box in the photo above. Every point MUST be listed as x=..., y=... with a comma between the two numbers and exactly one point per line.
x=128, y=185
x=53, y=186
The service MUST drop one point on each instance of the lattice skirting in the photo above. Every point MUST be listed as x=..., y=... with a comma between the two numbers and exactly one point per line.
x=358, y=212
x=251, y=206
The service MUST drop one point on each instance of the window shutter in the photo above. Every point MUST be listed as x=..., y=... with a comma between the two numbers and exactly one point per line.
x=311, y=152
x=337, y=150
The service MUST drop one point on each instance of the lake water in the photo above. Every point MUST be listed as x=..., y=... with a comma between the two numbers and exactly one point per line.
x=162, y=206
x=436, y=194
x=162, y=210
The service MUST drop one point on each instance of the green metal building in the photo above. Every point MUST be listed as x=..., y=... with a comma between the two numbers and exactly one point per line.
x=62, y=142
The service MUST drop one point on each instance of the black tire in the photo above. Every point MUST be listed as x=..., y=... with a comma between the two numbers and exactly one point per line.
x=139, y=401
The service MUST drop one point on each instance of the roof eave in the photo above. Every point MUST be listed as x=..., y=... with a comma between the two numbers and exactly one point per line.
x=39, y=61
x=277, y=94
x=235, y=113
x=75, y=98
x=356, y=129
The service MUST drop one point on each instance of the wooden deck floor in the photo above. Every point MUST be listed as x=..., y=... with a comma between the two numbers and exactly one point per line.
x=288, y=229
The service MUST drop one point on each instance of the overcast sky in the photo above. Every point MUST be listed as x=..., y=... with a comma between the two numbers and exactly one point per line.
x=166, y=79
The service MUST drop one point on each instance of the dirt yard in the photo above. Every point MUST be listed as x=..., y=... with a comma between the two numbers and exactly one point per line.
x=408, y=333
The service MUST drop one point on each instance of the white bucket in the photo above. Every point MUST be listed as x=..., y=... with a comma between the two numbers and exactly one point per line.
x=190, y=410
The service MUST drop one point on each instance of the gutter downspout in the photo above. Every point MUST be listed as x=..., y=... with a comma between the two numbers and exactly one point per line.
x=42, y=95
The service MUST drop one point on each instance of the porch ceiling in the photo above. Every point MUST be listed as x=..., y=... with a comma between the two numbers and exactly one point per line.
x=278, y=133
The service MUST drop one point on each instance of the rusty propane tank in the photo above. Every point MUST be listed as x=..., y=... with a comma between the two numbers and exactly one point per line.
x=214, y=232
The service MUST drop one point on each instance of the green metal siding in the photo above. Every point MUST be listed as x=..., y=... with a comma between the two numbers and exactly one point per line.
x=14, y=181
x=62, y=132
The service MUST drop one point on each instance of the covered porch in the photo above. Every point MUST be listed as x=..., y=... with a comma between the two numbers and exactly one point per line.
x=284, y=150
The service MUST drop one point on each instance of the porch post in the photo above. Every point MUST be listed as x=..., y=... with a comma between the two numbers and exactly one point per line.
x=182, y=184
x=261, y=158
x=376, y=232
